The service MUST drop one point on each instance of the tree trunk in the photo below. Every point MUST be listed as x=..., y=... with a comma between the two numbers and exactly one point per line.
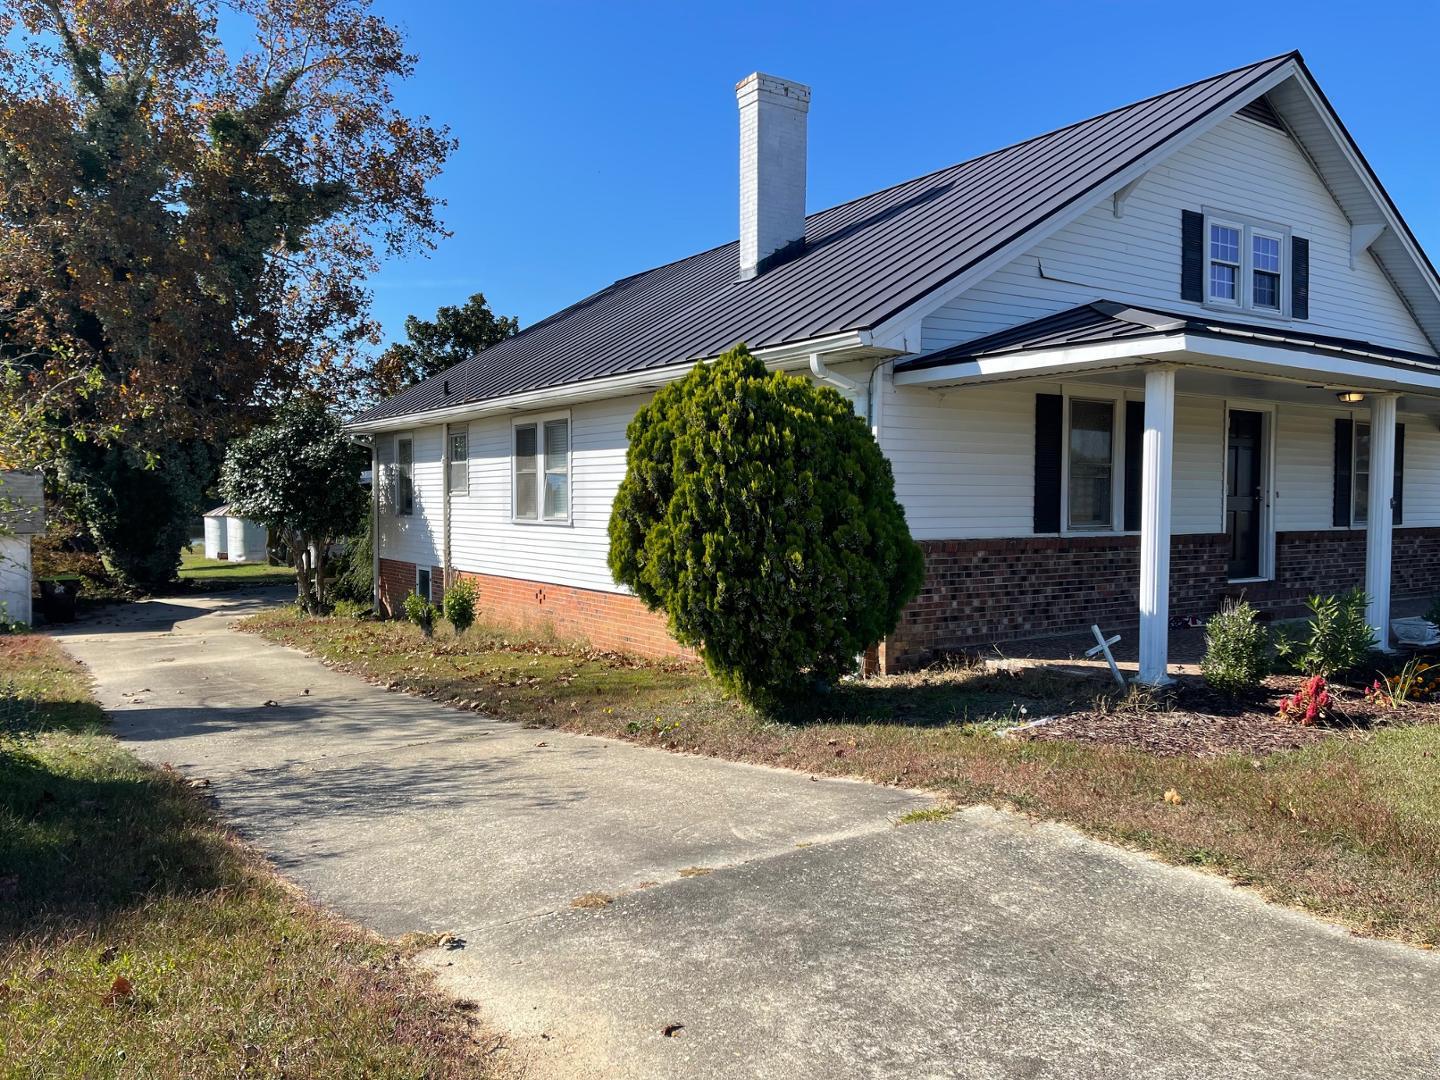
x=321, y=607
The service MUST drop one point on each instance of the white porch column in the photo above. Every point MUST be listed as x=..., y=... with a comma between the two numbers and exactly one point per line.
x=1380, y=516
x=1155, y=483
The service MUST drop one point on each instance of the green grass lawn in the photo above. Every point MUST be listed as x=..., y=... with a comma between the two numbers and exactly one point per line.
x=195, y=567
x=1348, y=828
x=139, y=938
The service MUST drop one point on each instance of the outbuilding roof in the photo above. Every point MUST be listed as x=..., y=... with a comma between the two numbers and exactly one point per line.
x=862, y=262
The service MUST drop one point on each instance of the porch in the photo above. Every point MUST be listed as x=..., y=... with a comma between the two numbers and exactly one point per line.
x=1177, y=462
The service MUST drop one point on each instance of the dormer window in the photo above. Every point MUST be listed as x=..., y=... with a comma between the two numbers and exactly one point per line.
x=1245, y=264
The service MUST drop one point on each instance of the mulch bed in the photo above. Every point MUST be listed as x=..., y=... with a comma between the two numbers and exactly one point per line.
x=1190, y=718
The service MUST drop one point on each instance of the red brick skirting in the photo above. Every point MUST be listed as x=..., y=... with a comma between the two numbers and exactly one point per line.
x=979, y=592
x=606, y=620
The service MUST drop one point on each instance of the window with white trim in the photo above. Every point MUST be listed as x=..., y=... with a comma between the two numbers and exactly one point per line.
x=1090, y=454
x=404, y=475
x=541, y=470
x=459, y=463
x=1246, y=264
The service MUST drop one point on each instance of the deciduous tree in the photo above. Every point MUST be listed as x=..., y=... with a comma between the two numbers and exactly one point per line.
x=186, y=225
x=455, y=334
x=299, y=477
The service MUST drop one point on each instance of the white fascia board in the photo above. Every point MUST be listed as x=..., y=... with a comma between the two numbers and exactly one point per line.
x=1251, y=358
x=937, y=299
x=796, y=354
x=1042, y=362
x=1298, y=365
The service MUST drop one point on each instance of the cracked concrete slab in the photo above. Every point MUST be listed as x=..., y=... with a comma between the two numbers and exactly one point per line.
x=825, y=941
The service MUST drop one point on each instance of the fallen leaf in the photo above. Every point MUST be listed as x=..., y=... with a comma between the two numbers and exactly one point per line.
x=591, y=900
x=120, y=990
x=1173, y=797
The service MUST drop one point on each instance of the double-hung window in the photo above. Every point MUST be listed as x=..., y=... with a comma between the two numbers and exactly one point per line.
x=1245, y=264
x=404, y=475
x=541, y=470
x=1091, y=481
x=459, y=463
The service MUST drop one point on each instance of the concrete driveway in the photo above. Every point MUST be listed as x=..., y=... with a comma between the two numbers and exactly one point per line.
x=786, y=923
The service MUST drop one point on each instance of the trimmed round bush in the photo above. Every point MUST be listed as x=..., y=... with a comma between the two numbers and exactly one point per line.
x=758, y=513
x=459, y=605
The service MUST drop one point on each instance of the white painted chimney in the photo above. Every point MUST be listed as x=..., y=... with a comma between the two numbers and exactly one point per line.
x=772, y=169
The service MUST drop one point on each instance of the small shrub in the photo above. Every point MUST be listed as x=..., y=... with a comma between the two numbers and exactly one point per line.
x=420, y=612
x=1339, y=638
x=1416, y=681
x=349, y=609
x=460, y=605
x=1237, y=650
x=1309, y=705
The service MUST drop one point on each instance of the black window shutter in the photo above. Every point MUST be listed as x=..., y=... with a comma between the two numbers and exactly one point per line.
x=1192, y=256
x=1134, y=448
x=1344, y=436
x=1398, y=499
x=1049, y=430
x=1299, y=277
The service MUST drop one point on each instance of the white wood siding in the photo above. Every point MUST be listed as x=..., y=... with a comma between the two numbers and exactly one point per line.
x=414, y=537
x=484, y=539
x=964, y=461
x=1241, y=166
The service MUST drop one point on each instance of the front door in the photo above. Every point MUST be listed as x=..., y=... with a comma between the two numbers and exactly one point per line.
x=1244, y=483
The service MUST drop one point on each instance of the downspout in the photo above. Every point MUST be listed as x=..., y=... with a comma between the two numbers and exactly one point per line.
x=375, y=525
x=445, y=509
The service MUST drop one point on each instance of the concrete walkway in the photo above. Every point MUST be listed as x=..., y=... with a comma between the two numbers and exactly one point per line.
x=823, y=941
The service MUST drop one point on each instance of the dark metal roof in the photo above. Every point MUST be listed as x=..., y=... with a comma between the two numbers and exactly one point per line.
x=1106, y=320
x=861, y=262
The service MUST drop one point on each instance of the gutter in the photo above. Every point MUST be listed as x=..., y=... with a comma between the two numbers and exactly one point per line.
x=774, y=357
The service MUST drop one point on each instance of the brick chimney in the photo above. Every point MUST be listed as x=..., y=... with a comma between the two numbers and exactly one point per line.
x=772, y=170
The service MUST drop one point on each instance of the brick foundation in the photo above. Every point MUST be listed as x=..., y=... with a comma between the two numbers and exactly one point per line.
x=607, y=620
x=980, y=592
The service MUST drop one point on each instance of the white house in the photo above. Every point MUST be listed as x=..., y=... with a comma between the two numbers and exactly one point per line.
x=22, y=515
x=1179, y=351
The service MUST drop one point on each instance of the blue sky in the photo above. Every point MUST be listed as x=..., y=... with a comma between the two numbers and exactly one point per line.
x=597, y=140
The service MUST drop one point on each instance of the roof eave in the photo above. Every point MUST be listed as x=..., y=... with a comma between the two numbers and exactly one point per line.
x=1187, y=350
x=792, y=354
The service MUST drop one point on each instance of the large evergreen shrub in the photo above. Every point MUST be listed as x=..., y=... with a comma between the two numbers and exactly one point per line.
x=759, y=514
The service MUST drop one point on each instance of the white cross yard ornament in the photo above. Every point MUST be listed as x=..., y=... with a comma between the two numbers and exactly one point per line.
x=1103, y=646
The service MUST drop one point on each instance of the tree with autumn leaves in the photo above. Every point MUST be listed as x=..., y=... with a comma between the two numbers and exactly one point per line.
x=188, y=222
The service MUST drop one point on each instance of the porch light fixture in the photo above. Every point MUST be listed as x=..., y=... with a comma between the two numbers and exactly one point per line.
x=1351, y=397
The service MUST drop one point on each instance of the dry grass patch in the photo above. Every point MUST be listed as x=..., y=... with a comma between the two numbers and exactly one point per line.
x=139, y=938
x=1346, y=827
